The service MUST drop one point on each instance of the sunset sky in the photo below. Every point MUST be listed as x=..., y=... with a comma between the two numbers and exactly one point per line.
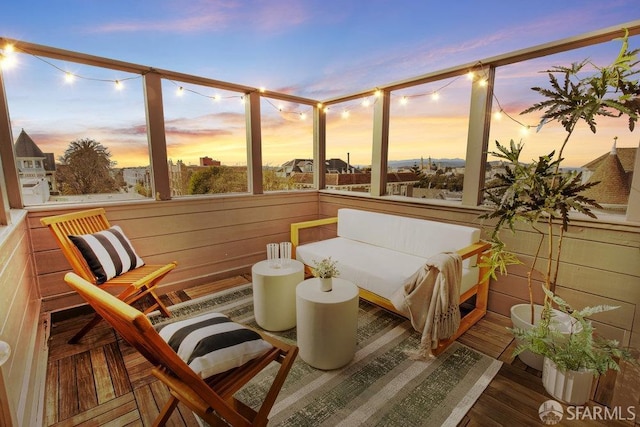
x=315, y=49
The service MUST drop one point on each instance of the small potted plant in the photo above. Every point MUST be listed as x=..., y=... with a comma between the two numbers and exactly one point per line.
x=570, y=360
x=325, y=270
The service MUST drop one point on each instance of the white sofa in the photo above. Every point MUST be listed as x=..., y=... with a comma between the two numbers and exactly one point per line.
x=380, y=252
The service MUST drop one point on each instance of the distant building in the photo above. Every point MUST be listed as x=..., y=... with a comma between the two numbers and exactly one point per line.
x=397, y=183
x=336, y=166
x=208, y=161
x=180, y=174
x=137, y=176
x=614, y=172
x=36, y=170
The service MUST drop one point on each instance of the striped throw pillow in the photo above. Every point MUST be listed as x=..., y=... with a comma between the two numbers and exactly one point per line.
x=212, y=343
x=108, y=253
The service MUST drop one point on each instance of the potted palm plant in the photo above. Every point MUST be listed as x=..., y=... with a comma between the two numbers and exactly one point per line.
x=538, y=193
x=570, y=360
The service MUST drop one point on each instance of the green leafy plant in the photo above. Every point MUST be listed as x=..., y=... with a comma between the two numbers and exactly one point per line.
x=581, y=349
x=538, y=192
x=325, y=269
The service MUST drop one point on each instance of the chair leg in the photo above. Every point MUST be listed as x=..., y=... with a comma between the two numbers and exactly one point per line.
x=166, y=412
x=131, y=297
x=82, y=332
x=158, y=305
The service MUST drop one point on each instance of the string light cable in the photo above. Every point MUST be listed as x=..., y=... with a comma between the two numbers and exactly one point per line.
x=7, y=59
x=501, y=112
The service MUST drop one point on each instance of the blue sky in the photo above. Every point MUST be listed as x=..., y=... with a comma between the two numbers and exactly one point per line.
x=312, y=48
x=316, y=49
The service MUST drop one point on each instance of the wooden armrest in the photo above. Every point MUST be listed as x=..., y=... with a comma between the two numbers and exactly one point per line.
x=297, y=226
x=474, y=249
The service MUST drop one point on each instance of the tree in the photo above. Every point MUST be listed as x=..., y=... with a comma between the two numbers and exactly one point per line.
x=86, y=169
x=272, y=182
x=218, y=179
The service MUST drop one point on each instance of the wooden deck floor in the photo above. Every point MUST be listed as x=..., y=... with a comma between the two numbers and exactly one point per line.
x=103, y=381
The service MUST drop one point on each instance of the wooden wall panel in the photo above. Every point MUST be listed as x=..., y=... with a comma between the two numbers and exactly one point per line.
x=209, y=237
x=20, y=324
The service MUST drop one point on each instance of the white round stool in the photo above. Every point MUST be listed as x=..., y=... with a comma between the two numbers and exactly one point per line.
x=327, y=323
x=274, y=294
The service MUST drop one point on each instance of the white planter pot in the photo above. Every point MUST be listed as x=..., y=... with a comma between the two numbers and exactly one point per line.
x=326, y=284
x=521, y=316
x=570, y=387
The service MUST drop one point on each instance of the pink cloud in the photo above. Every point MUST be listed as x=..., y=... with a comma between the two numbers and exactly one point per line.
x=207, y=16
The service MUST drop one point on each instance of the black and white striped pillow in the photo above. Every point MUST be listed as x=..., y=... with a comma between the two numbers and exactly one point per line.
x=108, y=253
x=212, y=343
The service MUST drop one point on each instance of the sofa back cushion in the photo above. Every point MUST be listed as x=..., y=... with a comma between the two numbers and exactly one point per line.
x=413, y=236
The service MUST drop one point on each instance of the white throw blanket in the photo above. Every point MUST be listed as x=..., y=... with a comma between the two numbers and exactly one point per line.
x=431, y=299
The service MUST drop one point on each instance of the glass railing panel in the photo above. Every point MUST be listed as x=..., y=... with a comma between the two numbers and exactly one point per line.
x=206, y=139
x=428, y=132
x=287, y=145
x=79, y=132
x=608, y=155
x=349, y=137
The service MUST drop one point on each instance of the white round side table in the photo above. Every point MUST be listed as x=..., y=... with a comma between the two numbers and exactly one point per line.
x=274, y=294
x=327, y=323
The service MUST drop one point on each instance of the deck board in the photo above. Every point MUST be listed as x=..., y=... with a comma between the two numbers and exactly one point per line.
x=104, y=381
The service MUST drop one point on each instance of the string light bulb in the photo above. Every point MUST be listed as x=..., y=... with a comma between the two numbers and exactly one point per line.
x=483, y=82
x=345, y=114
x=497, y=115
x=303, y=116
x=366, y=102
x=378, y=93
x=119, y=85
x=471, y=75
x=7, y=59
x=69, y=77
x=180, y=91
x=435, y=96
x=404, y=100
x=216, y=97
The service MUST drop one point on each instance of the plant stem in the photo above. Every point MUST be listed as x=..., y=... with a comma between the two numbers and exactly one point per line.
x=555, y=273
x=533, y=268
x=547, y=279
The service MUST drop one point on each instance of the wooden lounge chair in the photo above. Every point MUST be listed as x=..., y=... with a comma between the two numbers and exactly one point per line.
x=134, y=284
x=211, y=398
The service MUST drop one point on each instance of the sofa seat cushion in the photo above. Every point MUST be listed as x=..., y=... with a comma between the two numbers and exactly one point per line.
x=374, y=268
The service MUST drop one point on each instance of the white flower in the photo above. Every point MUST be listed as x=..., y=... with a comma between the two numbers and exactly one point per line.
x=325, y=268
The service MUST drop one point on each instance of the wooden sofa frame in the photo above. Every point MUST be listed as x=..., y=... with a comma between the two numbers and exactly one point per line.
x=480, y=290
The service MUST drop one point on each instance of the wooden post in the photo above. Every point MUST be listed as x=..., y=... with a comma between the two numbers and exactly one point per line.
x=380, y=154
x=319, y=147
x=254, y=142
x=156, y=136
x=478, y=138
x=10, y=189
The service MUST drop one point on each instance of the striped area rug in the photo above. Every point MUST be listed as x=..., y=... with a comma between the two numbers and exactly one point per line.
x=381, y=386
